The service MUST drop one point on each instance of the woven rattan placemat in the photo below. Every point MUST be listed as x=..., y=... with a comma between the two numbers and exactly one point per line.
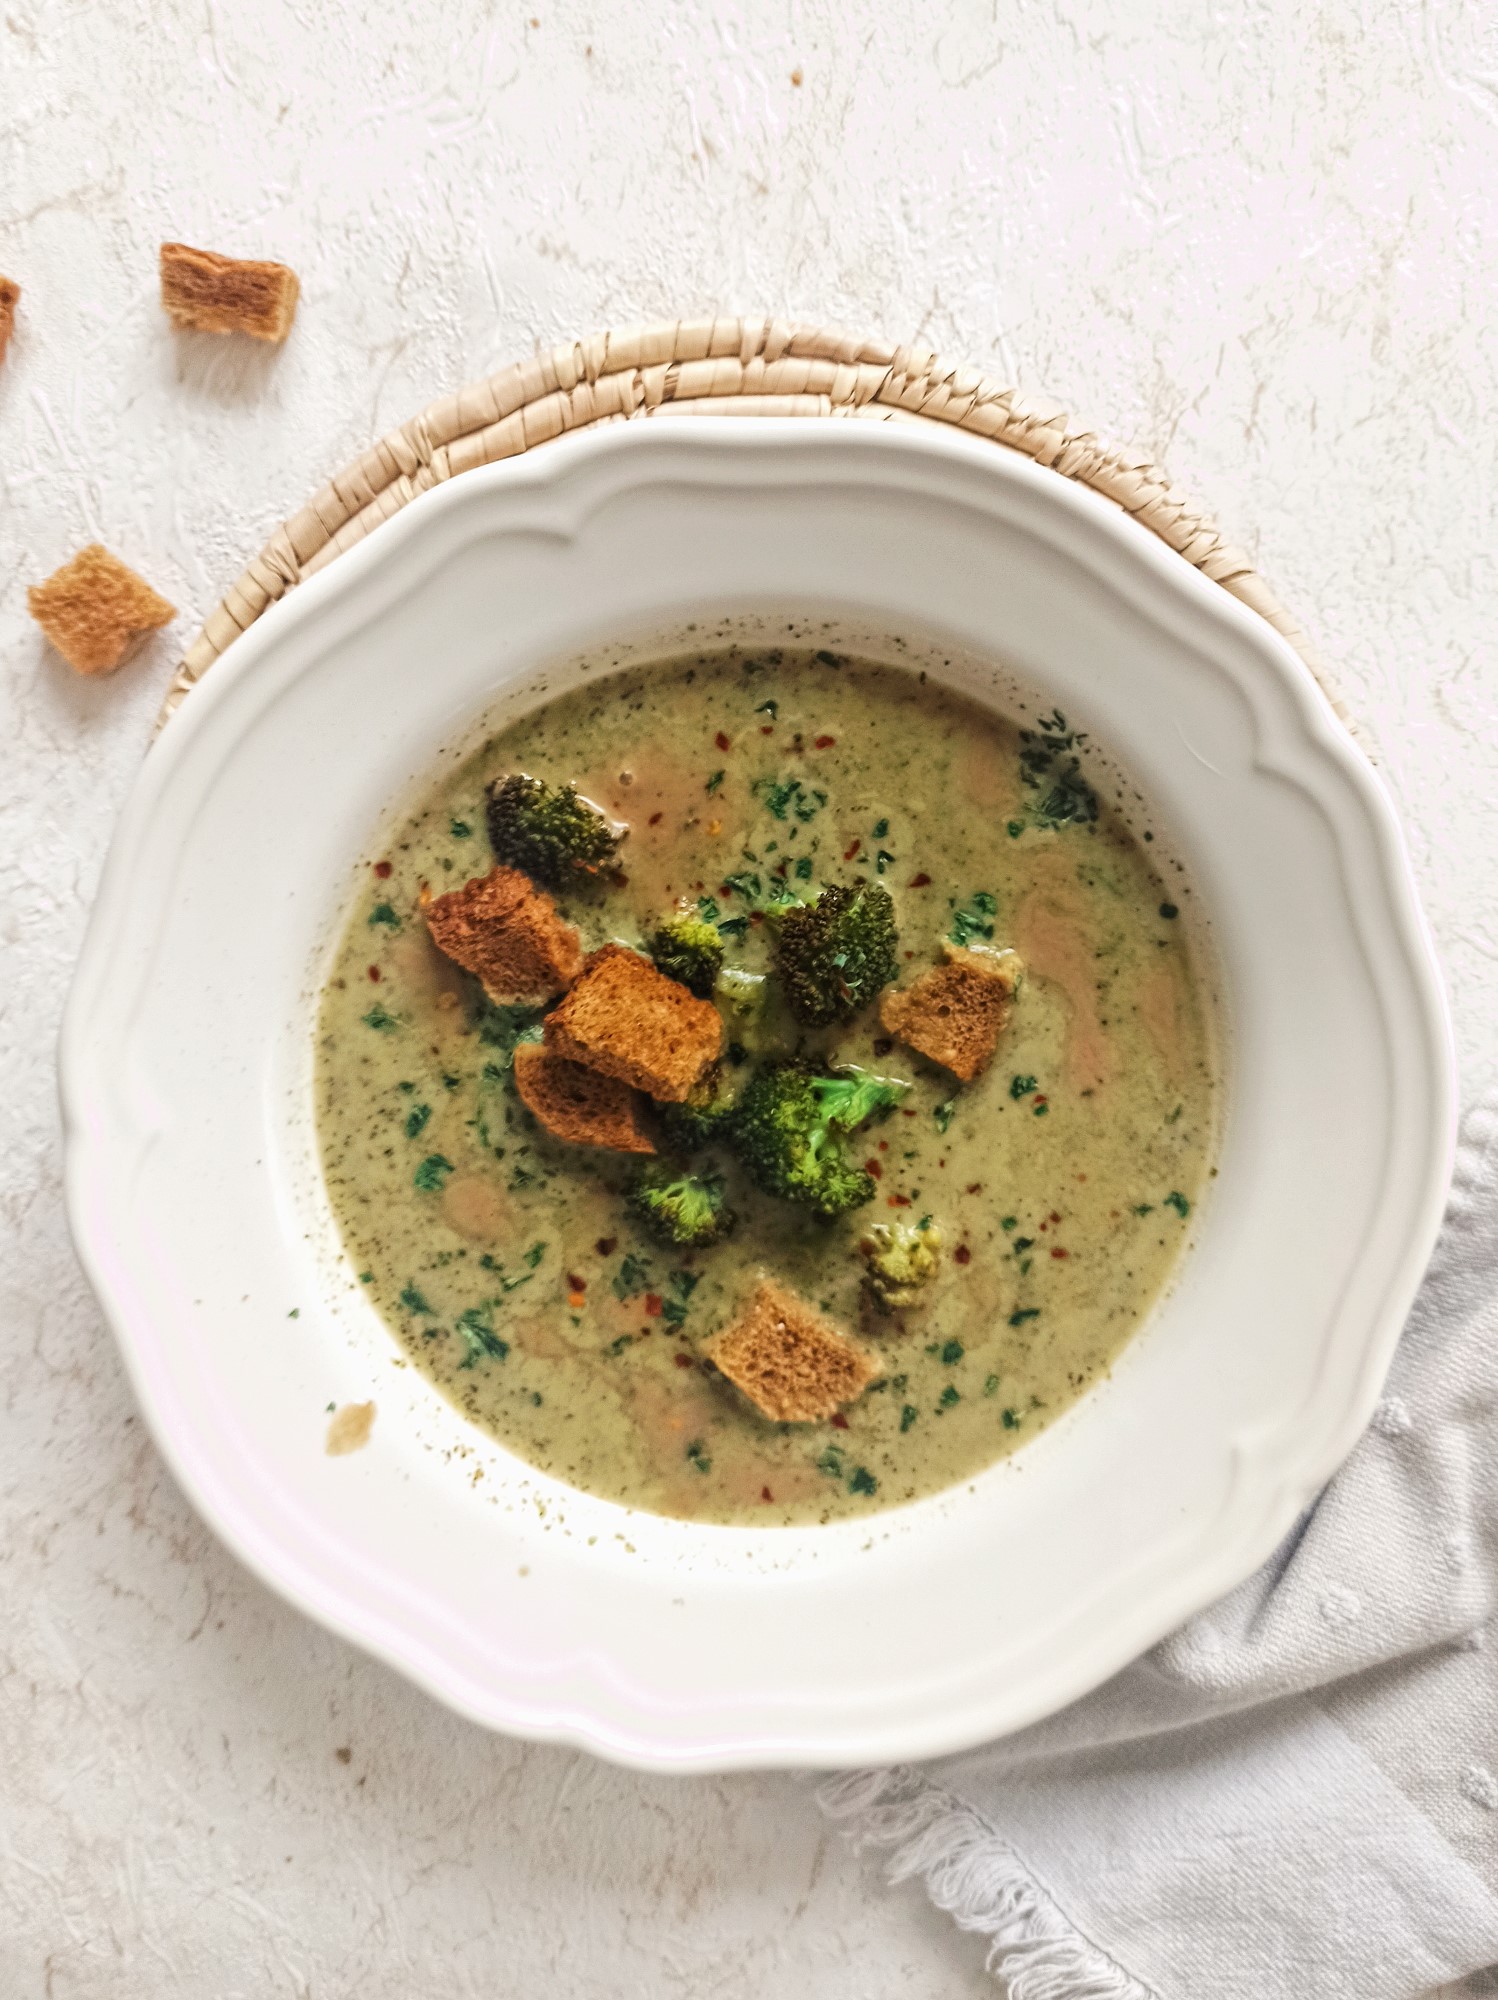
x=712, y=367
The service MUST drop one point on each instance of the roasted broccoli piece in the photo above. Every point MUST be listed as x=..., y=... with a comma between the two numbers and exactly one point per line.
x=704, y=1117
x=902, y=1257
x=787, y=1127
x=835, y=954
x=554, y=836
x=689, y=949
x=682, y=1208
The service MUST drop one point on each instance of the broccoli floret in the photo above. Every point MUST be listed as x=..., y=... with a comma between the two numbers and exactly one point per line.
x=689, y=949
x=787, y=1126
x=704, y=1117
x=681, y=1208
x=902, y=1257
x=552, y=835
x=836, y=953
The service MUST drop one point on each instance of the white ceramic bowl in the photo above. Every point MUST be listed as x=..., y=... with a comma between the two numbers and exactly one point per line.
x=191, y=1174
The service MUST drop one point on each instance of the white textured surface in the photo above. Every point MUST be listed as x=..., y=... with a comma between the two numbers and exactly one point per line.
x=1258, y=243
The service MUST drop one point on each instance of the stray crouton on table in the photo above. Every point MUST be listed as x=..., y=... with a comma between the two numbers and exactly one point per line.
x=94, y=608
x=214, y=294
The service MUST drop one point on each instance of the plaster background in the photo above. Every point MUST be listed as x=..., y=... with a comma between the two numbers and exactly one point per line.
x=1256, y=241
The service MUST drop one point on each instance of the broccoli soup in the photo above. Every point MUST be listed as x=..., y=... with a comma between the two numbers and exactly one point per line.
x=765, y=1086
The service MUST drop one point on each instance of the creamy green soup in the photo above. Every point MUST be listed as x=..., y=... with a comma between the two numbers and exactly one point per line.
x=1062, y=1181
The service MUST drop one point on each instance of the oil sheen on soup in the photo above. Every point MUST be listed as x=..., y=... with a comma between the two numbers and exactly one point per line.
x=1059, y=1184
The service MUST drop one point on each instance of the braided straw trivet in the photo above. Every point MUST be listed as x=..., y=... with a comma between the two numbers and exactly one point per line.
x=711, y=367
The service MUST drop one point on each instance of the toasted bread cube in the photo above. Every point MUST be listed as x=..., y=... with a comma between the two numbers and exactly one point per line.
x=578, y=1104
x=227, y=294
x=955, y=1013
x=625, y=1019
x=793, y=1365
x=506, y=931
x=10, y=298
x=93, y=607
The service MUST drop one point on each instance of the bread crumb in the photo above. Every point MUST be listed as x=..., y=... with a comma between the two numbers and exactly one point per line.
x=350, y=1428
x=793, y=1365
x=10, y=298
x=216, y=294
x=94, y=607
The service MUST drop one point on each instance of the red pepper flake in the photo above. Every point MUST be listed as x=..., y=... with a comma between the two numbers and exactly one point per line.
x=656, y=818
x=849, y=852
x=606, y=1245
x=1059, y=1252
x=1081, y=1177
x=907, y=1114
x=756, y=916
x=824, y=742
x=619, y=879
x=1054, y=1216
x=374, y=973
x=721, y=740
x=1039, y=1098
x=767, y=729
x=382, y=869
x=975, y=1187
x=682, y=1360
x=873, y=1167
x=962, y=1255
x=765, y=1493
x=653, y=1304
x=838, y=1421
x=899, y=1201
x=920, y=881
x=575, y=1283
x=1044, y=1227
x=884, y=1145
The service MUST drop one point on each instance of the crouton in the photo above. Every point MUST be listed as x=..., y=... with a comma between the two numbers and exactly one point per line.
x=955, y=1013
x=507, y=931
x=625, y=1019
x=227, y=294
x=93, y=607
x=10, y=298
x=793, y=1365
x=578, y=1104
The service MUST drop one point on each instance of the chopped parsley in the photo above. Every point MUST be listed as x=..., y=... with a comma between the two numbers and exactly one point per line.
x=944, y=1113
x=380, y=1019
x=975, y=919
x=1021, y=1086
x=952, y=1352
x=1010, y=1420
x=384, y=913
x=990, y=1385
x=881, y=828
x=697, y=1454
x=416, y=1119
x=1048, y=764
x=1024, y=1313
x=908, y=1416
x=770, y=708
x=414, y=1300
x=1178, y=1202
x=714, y=781
x=783, y=797
x=632, y=1277
x=802, y=870
x=949, y=1396
x=863, y=1481
x=534, y=1255
x=476, y=1327
x=459, y=829
x=432, y=1173
x=1169, y=912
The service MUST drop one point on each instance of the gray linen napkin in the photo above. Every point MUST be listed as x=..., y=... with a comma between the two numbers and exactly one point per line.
x=1296, y=1796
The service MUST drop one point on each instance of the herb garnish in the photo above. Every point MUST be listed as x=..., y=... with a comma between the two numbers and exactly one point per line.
x=476, y=1325
x=975, y=920
x=414, y=1300
x=432, y=1173
x=416, y=1119
x=384, y=913
x=380, y=1019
